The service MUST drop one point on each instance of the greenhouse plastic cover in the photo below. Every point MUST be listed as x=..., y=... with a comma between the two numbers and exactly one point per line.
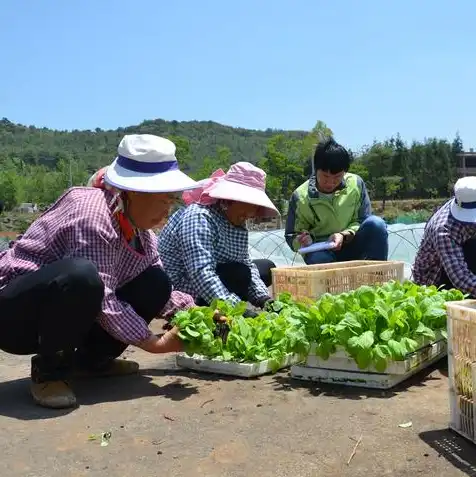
x=403, y=239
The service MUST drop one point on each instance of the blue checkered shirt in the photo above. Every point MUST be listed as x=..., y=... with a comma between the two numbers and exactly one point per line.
x=442, y=249
x=194, y=241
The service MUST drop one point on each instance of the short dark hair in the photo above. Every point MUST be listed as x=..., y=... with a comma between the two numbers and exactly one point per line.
x=331, y=157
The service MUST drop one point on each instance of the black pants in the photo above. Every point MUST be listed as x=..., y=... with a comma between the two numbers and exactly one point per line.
x=469, y=250
x=56, y=308
x=237, y=277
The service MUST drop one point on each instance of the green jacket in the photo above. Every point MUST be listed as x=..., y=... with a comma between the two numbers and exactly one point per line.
x=321, y=216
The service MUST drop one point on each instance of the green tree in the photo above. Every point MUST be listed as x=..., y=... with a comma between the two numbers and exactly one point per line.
x=35, y=162
x=389, y=187
x=457, y=145
x=10, y=188
x=222, y=160
x=359, y=168
x=284, y=165
x=378, y=161
x=183, y=152
x=320, y=132
x=401, y=166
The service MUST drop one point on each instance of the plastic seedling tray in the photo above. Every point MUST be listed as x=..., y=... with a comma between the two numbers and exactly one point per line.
x=344, y=371
x=342, y=361
x=232, y=368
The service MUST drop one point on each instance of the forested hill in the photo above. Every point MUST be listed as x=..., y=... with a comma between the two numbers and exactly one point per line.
x=38, y=164
x=96, y=148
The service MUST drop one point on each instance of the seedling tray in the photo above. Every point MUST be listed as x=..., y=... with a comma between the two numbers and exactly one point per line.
x=344, y=371
x=342, y=361
x=232, y=368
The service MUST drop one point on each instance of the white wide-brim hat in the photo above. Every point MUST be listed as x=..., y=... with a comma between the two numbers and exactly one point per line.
x=147, y=163
x=463, y=206
x=461, y=214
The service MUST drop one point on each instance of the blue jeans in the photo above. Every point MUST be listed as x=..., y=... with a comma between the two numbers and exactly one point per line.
x=370, y=243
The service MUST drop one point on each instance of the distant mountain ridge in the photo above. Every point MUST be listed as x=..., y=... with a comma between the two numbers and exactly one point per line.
x=96, y=148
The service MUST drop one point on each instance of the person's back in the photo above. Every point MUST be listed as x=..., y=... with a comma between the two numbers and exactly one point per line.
x=427, y=264
x=169, y=247
x=173, y=248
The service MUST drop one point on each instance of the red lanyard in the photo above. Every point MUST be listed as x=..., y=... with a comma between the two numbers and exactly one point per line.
x=126, y=226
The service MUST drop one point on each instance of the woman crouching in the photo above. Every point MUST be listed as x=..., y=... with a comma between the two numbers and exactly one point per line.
x=85, y=279
x=204, y=246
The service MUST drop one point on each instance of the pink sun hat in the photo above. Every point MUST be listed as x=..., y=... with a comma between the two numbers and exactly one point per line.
x=243, y=182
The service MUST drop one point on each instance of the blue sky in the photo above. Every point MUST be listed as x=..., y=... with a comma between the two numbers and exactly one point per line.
x=368, y=68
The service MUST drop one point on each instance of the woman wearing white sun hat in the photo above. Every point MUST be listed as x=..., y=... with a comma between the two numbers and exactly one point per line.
x=447, y=253
x=204, y=246
x=85, y=279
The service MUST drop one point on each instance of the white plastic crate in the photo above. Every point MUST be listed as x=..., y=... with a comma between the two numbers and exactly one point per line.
x=232, y=368
x=462, y=367
x=340, y=369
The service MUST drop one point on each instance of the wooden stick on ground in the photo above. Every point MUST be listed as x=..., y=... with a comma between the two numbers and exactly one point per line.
x=206, y=402
x=355, y=449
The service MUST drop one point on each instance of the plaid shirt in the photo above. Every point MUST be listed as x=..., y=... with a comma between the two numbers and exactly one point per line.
x=442, y=249
x=81, y=224
x=195, y=240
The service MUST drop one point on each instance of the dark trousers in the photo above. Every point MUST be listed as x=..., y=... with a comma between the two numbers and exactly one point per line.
x=237, y=277
x=469, y=250
x=56, y=308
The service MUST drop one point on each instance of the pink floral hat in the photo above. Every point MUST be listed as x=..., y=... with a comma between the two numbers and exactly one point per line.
x=243, y=182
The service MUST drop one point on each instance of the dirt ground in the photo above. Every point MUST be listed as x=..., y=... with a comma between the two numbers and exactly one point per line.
x=176, y=423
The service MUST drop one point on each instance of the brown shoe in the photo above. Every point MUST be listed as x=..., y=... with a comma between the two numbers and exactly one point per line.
x=48, y=386
x=53, y=394
x=115, y=367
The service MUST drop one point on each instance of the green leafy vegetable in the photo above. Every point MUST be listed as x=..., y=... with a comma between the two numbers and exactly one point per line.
x=269, y=336
x=373, y=325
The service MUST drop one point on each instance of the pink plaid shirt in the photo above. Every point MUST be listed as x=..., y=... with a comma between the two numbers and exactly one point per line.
x=81, y=224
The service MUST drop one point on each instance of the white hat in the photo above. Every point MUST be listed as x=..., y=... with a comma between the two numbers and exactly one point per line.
x=463, y=206
x=147, y=163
